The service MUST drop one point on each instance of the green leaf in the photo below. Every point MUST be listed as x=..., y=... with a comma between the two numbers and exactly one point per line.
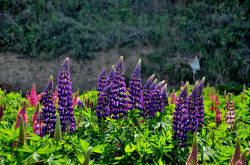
x=84, y=145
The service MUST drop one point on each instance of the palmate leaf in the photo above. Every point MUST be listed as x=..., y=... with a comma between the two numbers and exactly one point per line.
x=210, y=154
x=52, y=160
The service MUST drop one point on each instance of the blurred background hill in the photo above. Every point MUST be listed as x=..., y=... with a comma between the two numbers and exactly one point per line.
x=164, y=33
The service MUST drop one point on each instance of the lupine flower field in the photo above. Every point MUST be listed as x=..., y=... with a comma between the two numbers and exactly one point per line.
x=119, y=123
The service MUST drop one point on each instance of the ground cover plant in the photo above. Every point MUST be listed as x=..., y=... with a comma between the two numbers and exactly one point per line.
x=123, y=123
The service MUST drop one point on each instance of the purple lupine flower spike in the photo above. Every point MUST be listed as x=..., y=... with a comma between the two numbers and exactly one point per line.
x=103, y=102
x=135, y=88
x=153, y=85
x=230, y=111
x=160, y=85
x=48, y=110
x=102, y=81
x=180, y=122
x=65, y=98
x=192, y=105
x=118, y=97
x=200, y=105
x=146, y=97
x=111, y=75
x=164, y=95
x=79, y=103
x=156, y=101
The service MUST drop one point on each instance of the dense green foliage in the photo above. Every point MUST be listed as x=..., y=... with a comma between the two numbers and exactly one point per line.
x=216, y=31
x=216, y=144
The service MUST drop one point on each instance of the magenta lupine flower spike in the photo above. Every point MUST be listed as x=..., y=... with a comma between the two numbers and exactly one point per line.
x=200, y=105
x=173, y=97
x=48, y=110
x=146, y=97
x=33, y=99
x=236, y=155
x=23, y=113
x=75, y=99
x=27, y=95
x=55, y=96
x=111, y=75
x=1, y=109
x=180, y=122
x=153, y=85
x=217, y=99
x=212, y=95
x=242, y=160
x=119, y=104
x=135, y=88
x=218, y=115
x=102, y=81
x=164, y=95
x=192, y=105
x=65, y=98
x=192, y=159
x=230, y=111
x=35, y=114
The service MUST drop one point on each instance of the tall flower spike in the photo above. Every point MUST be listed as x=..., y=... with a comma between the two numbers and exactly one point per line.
x=153, y=85
x=58, y=133
x=135, y=88
x=36, y=119
x=180, y=122
x=212, y=108
x=1, y=109
x=23, y=113
x=217, y=99
x=75, y=99
x=230, y=111
x=200, y=105
x=192, y=159
x=87, y=156
x=225, y=94
x=236, y=155
x=35, y=114
x=218, y=115
x=79, y=103
x=111, y=75
x=22, y=131
x=102, y=81
x=156, y=101
x=164, y=94
x=119, y=104
x=192, y=105
x=48, y=110
x=212, y=95
x=242, y=160
x=33, y=100
x=27, y=95
x=103, y=101
x=65, y=104
x=55, y=96
x=173, y=97
x=146, y=97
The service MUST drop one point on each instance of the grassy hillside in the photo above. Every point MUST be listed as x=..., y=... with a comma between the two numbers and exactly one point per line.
x=216, y=31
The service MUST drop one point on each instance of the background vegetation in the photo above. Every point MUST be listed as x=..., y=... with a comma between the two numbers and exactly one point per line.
x=217, y=31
